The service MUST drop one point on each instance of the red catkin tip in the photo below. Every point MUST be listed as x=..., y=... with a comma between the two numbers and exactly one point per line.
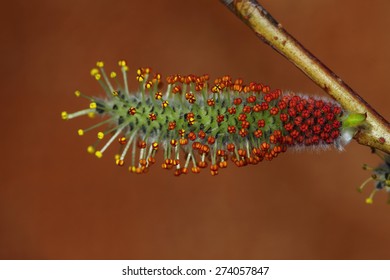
x=197, y=124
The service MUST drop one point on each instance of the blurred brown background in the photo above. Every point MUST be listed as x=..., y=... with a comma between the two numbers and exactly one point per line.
x=58, y=202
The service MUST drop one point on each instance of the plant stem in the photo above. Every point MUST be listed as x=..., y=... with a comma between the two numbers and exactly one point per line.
x=376, y=133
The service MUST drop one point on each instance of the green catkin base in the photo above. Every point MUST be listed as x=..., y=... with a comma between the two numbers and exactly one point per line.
x=197, y=124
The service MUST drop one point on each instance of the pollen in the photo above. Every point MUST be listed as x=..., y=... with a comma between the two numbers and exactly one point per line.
x=196, y=124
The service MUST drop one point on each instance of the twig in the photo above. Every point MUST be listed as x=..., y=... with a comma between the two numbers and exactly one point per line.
x=376, y=132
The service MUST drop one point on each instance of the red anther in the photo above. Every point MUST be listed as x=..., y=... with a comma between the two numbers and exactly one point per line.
x=336, y=124
x=204, y=149
x=241, y=152
x=319, y=104
x=294, y=134
x=176, y=89
x=268, y=97
x=264, y=106
x=304, y=127
x=327, y=127
x=265, y=146
x=289, y=126
x=244, y=124
x=191, y=136
x=292, y=112
x=247, y=109
x=222, y=164
x=202, y=164
x=211, y=140
x=142, y=162
x=243, y=132
x=196, y=145
x=171, y=125
x=151, y=160
x=335, y=134
x=213, y=167
x=329, y=116
x=325, y=108
x=274, y=111
x=230, y=147
x=232, y=110
x=237, y=88
x=265, y=89
x=220, y=118
x=237, y=101
x=231, y=129
x=201, y=134
x=257, y=108
x=282, y=105
x=242, y=117
x=310, y=121
x=317, y=129
x=305, y=114
x=261, y=123
x=152, y=116
x=141, y=144
x=220, y=153
x=321, y=120
x=324, y=135
x=210, y=102
x=298, y=120
x=177, y=172
x=183, y=141
x=132, y=111
x=300, y=107
x=122, y=140
x=251, y=99
x=336, y=110
x=273, y=139
x=184, y=170
x=284, y=117
x=195, y=169
x=277, y=93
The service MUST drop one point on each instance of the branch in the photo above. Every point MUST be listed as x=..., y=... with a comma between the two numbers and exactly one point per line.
x=376, y=133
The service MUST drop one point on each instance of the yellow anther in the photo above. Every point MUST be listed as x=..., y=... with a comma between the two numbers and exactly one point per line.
x=117, y=156
x=119, y=162
x=112, y=74
x=77, y=93
x=165, y=104
x=139, y=72
x=100, y=64
x=91, y=115
x=115, y=93
x=94, y=71
x=133, y=169
x=97, y=77
x=98, y=154
x=122, y=62
x=369, y=200
x=100, y=135
x=92, y=105
x=91, y=150
x=80, y=132
x=125, y=68
x=140, y=78
x=64, y=115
